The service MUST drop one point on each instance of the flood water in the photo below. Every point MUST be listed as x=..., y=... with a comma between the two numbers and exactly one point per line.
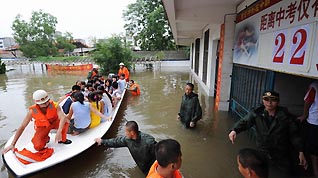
x=207, y=152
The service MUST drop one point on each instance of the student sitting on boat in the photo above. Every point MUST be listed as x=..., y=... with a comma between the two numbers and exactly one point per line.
x=67, y=104
x=89, y=88
x=114, y=78
x=105, y=101
x=81, y=84
x=116, y=93
x=108, y=86
x=140, y=145
x=95, y=119
x=47, y=115
x=121, y=83
x=80, y=110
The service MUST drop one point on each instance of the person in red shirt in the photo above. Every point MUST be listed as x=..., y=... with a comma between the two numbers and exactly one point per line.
x=123, y=70
x=168, y=160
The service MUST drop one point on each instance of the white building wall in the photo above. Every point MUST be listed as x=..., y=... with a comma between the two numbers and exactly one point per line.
x=211, y=64
x=191, y=57
x=227, y=63
x=1, y=44
x=200, y=72
x=213, y=44
x=214, y=36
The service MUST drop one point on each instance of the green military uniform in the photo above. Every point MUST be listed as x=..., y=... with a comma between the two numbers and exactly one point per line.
x=274, y=135
x=141, y=149
x=190, y=109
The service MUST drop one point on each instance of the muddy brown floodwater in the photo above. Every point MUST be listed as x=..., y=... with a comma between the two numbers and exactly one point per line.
x=207, y=152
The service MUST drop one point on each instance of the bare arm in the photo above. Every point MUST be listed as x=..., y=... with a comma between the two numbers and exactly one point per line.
x=302, y=160
x=63, y=120
x=18, y=133
x=62, y=98
x=70, y=113
x=98, y=113
x=102, y=105
x=305, y=112
x=232, y=136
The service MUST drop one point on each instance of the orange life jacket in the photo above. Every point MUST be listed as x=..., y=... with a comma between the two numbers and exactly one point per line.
x=153, y=173
x=26, y=157
x=135, y=92
x=93, y=75
x=125, y=71
x=41, y=120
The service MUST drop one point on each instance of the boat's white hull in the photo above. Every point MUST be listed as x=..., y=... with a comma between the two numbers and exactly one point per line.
x=61, y=153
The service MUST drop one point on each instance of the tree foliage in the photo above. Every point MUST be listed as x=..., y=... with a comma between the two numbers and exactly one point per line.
x=36, y=37
x=65, y=42
x=147, y=23
x=110, y=52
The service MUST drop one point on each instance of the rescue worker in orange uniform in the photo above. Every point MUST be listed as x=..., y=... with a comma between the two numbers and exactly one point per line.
x=47, y=115
x=168, y=160
x=123, y=70
x=134, y=88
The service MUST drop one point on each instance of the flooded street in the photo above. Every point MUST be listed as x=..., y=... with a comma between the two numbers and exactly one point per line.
x=206, y=150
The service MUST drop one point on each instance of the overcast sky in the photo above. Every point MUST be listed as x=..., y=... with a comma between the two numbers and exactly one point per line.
x=84, y=19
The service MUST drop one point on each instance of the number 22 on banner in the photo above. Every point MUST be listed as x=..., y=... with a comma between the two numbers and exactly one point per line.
x=298, y=45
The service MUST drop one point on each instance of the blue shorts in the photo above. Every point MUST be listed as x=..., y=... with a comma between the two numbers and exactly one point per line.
x=72, y=128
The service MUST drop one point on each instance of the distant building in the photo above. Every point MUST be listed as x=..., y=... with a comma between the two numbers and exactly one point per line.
x=80, y=41
x=9, y=48
x=82, y=51
x=7, y=42
x=1, y=44
x=129, y=40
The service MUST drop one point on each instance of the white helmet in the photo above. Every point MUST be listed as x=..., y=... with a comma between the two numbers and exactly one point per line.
x=121, y=64
x=40, y=96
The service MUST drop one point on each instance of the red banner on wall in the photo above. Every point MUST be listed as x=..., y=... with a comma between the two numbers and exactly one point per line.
x=219, y=76
x=255, y=8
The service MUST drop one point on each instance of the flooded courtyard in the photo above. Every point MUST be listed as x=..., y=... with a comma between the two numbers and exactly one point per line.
x=206, y=150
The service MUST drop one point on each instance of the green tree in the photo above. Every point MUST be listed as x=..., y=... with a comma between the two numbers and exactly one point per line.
x=147, y=23
x=36, y=38
x=110, y=52
x=65, y=42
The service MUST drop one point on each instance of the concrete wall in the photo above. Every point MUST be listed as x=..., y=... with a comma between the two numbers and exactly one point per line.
x=227, y=63
x=175, y=63
x=168, y=55
x=214, y=36
x=212, y=55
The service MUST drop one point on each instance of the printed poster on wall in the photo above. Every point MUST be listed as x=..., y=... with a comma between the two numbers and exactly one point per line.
x=246, y=43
